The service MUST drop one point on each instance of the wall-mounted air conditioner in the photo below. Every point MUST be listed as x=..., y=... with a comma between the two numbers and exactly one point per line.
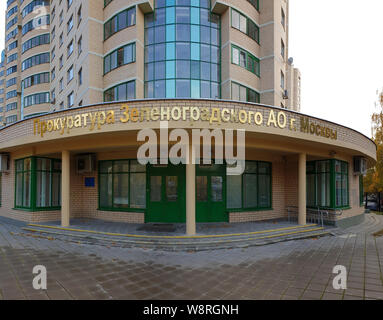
x=85, y=163
x=360, y=166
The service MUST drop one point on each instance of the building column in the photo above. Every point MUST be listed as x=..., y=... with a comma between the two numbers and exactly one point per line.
x=190, y=193
x=302, y=190
x=65, y=189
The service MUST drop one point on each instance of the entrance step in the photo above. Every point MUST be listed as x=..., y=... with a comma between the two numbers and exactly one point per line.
x=180, y=243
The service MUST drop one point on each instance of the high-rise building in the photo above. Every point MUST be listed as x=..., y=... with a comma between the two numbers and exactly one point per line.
x=62, y=54
x=87, y=85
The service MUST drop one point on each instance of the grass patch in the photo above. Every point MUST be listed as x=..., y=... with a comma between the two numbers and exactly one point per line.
x=378, y=234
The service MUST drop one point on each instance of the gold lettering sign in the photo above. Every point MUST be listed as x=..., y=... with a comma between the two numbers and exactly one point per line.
x=96, y=120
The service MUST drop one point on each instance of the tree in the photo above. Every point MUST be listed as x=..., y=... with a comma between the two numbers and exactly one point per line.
x=373, y=181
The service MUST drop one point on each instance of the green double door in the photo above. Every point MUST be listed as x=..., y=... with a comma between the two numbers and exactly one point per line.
x=166, y=198
x=166, y=194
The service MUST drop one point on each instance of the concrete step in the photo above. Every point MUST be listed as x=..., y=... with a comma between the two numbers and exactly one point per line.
x=180, y=243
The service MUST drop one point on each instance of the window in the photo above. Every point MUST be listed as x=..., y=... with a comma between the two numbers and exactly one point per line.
x=79, y=15
x=282, y=80
x=122, y=20
x=38, y=184
x=35, y=60
x=11, y=119
x=11, y=94
x=252, y=189
x=11, y=106
x=283, y=18
x=35, y=23
x=122, y=185
x=327, y=184
x=242, y=93
x=124, y=91
x=182, y=51
x=245, y=59
x=61, y=39
x=120, y=57
x=79, y=46
x=70, y=24
x=80, y=77
x=69, y=3
x=61, y=62
x=32, y=6
x=244, y=24
x=11, y=70
x=70, y=74
x=36, y=79
x=255, y=3
x=38, y=98
x=53, y=74
x=282, y=49
x=70, y=49
x=70, y=99
x=61, y=84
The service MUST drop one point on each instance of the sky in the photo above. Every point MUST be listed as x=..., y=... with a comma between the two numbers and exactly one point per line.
x=337, y=47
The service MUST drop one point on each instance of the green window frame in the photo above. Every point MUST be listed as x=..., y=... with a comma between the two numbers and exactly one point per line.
x=251, y=191
x=116, y=93
x=106, y=2
x=182, y=51
x=327, y=184
x=37, y=186
x=119, y=57
x=244, y=24
x=122, y=20
x=249, y=61
x=255, y=4
x=242, y=93
x=122, y=185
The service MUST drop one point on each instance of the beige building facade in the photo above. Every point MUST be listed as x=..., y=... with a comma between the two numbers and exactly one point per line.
x=68, y=53
x=89, y=76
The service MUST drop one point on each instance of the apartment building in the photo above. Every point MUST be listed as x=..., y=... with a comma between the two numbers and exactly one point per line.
x=66, y=53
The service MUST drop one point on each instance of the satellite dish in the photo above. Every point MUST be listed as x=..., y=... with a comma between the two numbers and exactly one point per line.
x=291, y=61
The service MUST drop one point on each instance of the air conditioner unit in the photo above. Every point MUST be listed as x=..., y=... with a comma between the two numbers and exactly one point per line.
x=85, y=163
x=4, y=163
x=285, y=95
x=360, y=166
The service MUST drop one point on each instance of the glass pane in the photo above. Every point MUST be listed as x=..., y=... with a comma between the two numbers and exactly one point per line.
x=155, y=188
x=135, y=166
x=56, y=189
x=43, y=164
x=251, y=167
x=121, y=166
x=138, y=190
x=344, y=190
x=264, y=200
x=172, y=188
x=106, y=167
x=338, y=190
x=27, y=164
x=311, y=199
x=323, y=189
x=121, y=191
x=43, y=189
x=250, y=190
x=234, y=192
x=106, y=189
x=216, y=189
x=201, y=182
x=27, y=190
x=19, y=189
